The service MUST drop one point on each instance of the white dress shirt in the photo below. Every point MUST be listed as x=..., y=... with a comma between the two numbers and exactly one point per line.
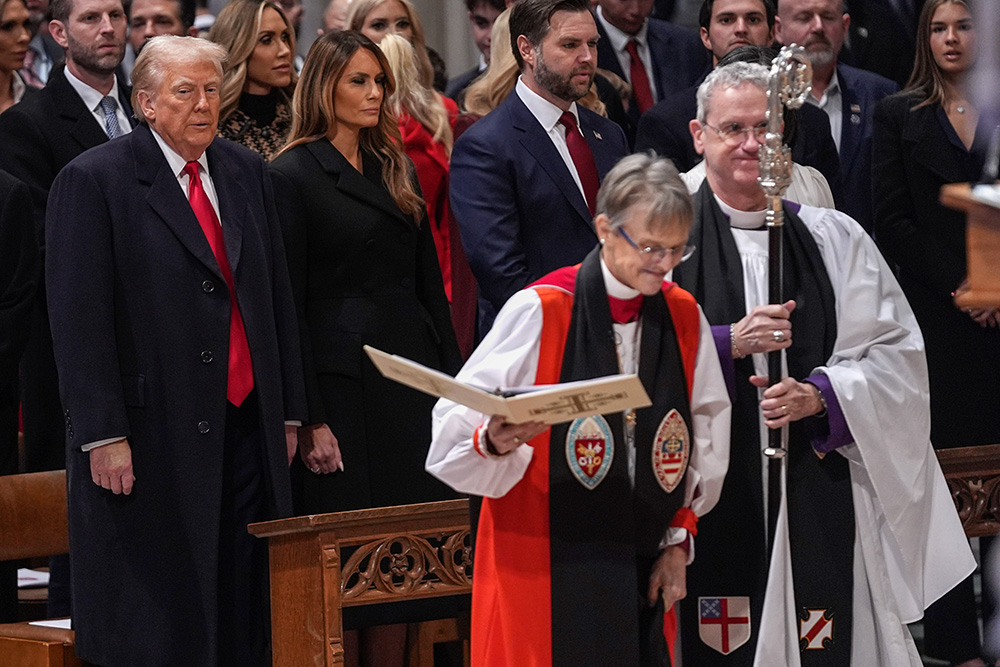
x=92, y=99
x=832, y=103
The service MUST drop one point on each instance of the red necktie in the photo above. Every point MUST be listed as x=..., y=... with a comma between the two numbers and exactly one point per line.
x=583, y=160
x=624, y=311
x=639, y=79
x=240, y=380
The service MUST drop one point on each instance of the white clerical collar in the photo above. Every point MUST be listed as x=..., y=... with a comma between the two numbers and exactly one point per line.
x=175, y=161
x=741, y=219
x=544, y=111
x=619, y=39
x=615, y=287
x=91, y=96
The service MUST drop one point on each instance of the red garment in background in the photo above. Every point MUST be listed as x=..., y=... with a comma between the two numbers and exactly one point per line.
x=431, y=162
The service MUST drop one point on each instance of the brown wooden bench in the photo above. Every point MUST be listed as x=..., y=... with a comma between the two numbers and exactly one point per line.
x=33, y=523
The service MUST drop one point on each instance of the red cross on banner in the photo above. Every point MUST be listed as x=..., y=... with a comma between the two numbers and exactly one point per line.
x=724, y=623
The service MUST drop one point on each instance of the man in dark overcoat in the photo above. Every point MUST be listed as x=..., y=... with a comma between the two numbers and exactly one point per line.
x=180, y=375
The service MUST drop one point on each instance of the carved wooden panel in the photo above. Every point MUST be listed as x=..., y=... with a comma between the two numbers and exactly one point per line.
x=408, y=565
x=973, y=477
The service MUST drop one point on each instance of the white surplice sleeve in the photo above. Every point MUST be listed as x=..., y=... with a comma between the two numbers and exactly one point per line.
x=507, y=357
x=911, y=538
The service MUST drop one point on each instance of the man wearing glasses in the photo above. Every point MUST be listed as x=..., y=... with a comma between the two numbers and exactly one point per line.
x=587, y=527
x=867, y=536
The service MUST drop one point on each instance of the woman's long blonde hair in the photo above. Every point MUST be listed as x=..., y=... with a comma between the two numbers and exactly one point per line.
x=313, y=112
x=422, y=103
x=927, y=77
x=236, y=28
x=358, y=12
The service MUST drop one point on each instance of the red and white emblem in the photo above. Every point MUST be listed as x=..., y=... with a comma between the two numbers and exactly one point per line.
x=590, y=449
x=671, y=447
x=724, y=623
x=816, y=629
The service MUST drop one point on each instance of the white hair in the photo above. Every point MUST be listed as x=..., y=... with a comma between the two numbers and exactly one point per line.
x=733, y=75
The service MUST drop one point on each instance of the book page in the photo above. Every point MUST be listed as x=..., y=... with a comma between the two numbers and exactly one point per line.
x=551, y=404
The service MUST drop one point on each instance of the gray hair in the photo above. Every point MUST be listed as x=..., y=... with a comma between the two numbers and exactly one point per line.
x=166, y=52
x=643, y=179
x=730, y=76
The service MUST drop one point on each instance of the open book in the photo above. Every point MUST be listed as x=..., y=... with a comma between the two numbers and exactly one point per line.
x=551, y=404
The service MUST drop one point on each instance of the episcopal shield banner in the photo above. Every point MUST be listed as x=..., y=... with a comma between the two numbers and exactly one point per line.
x=724, y=622
x=671, y=447
x=816, y=629
x=590, y=448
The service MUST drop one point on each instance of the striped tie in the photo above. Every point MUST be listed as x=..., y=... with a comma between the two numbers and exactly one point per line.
x=109, y=107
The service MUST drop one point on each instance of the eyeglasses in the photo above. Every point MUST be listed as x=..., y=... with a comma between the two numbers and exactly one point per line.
x=734, y=134
x=657, y=253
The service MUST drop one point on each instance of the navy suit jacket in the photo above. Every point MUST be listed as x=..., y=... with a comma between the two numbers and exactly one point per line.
x=457, y=85
x=679, y=60
x=860, y=91
x=519, y=210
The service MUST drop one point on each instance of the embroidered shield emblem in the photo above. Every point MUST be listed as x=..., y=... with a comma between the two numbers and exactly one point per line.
x=671, y=448
x=816, y=629
x=724, y=623
x=590, y=448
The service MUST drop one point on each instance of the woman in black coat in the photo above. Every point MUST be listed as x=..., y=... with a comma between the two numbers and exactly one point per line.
x=924, y=137
x=364, y=272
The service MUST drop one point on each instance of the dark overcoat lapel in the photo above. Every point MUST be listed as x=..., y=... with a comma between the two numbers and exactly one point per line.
x=353, y=183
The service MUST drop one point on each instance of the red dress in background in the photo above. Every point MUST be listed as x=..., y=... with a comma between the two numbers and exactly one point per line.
x=431, y=163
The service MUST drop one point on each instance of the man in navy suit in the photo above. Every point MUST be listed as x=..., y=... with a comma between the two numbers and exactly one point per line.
x=657, y=58
x=848, y=95
x=523, y=178
x=175, y=336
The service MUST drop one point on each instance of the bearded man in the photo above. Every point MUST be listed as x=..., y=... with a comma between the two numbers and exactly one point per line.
x=524, y=179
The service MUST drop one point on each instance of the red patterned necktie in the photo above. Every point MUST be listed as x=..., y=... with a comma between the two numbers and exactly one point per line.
x=639, y=79
x=583, y=159
x=240, y=380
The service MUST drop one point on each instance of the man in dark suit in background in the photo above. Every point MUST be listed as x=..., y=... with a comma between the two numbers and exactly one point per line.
x=848, y=95
x=727, y=25
x=482, y=14
x=81, y=106
x=655, y=57
x=19, y=274
x=175, y=336
x=524, y=178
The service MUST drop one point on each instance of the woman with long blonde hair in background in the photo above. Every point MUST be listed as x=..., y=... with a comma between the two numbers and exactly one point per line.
x=260, y=77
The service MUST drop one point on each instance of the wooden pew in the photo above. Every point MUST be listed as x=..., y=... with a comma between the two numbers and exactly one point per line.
x=33, y=523
x=409, y=552
x=973, y=476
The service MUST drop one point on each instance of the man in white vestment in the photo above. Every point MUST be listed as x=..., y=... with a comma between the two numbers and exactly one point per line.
x=867, y=536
